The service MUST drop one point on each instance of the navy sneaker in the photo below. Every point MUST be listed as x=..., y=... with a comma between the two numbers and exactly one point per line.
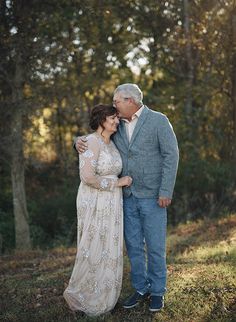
x=156, y=303
x=134, y=300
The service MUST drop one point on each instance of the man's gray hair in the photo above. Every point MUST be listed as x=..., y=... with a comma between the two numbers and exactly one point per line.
x=130, y=90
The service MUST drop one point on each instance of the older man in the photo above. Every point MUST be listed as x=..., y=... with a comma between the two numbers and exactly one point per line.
x=149, y=152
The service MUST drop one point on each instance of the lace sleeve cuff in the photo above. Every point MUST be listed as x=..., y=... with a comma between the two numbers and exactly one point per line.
x=108, y=184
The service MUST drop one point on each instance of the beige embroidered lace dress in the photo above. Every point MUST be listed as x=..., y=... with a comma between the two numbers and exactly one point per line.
x=95, y=283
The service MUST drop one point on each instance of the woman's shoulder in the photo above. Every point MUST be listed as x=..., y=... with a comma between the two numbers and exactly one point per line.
x=92, y=137
x=93, y=146
x=93, y=141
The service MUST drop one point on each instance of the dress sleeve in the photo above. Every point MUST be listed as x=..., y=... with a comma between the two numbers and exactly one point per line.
x=88, y=164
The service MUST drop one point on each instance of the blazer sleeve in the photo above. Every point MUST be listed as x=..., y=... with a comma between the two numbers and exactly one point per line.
x=170, y=156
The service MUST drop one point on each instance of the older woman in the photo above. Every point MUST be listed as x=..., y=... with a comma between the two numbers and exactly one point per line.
x=95, y=283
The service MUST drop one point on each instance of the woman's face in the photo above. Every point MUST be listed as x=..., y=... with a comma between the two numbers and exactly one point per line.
x=111, y=123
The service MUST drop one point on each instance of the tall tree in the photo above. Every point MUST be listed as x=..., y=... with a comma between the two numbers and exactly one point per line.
x=189, y=63
x=233, y=80
x=25, y=35
x=22, y=231
x=13, y=67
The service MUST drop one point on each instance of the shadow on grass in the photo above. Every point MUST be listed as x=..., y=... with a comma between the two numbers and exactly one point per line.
x=32, y=284
x=186, y=238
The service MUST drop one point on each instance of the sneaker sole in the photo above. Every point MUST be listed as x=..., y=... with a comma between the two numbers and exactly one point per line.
x=130, y=306
x=156, y=310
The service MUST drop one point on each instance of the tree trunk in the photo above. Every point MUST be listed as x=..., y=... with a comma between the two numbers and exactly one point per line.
x=234, y=86
x=22, y=232
x=189, y=60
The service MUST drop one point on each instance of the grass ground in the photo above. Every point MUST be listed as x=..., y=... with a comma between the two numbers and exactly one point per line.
x=201, y=280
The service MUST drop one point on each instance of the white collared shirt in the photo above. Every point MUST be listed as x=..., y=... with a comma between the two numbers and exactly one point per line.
x=130, y=125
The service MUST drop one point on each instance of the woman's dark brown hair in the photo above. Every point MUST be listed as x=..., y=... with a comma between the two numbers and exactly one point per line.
x=99, y=113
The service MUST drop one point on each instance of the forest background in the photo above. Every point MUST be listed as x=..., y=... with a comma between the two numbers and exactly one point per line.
x=59, y=58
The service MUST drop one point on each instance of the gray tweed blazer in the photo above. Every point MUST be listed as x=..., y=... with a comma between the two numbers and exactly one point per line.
x=151, y=157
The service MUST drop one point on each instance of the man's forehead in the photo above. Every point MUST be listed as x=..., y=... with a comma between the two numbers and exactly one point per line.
x=117, y=95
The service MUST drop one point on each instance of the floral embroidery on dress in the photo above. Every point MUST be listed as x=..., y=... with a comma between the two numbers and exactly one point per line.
x=104, y=183
x=96, y=279
x=92, y=231
x=116, y=239
x=81, y=164
x=93, y=163
x=109, y=284
x=85, y=253
x=104, y=254
x=88, y=154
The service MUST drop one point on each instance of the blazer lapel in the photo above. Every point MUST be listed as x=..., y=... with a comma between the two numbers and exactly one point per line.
x=123, y=133
x=139, y=124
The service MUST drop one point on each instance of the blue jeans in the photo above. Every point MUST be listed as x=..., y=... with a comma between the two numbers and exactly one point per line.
x=145, y=225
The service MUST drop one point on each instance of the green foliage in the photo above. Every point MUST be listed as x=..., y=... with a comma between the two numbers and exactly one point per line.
x=203, y=189
x=7, y=231
x=6, y=212
x=73, y=54
x=52, y=207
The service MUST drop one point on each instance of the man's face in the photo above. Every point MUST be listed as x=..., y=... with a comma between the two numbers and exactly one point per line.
x=122, y=105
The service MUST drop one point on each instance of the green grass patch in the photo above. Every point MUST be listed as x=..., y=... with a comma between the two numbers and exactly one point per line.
x=201, y=280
